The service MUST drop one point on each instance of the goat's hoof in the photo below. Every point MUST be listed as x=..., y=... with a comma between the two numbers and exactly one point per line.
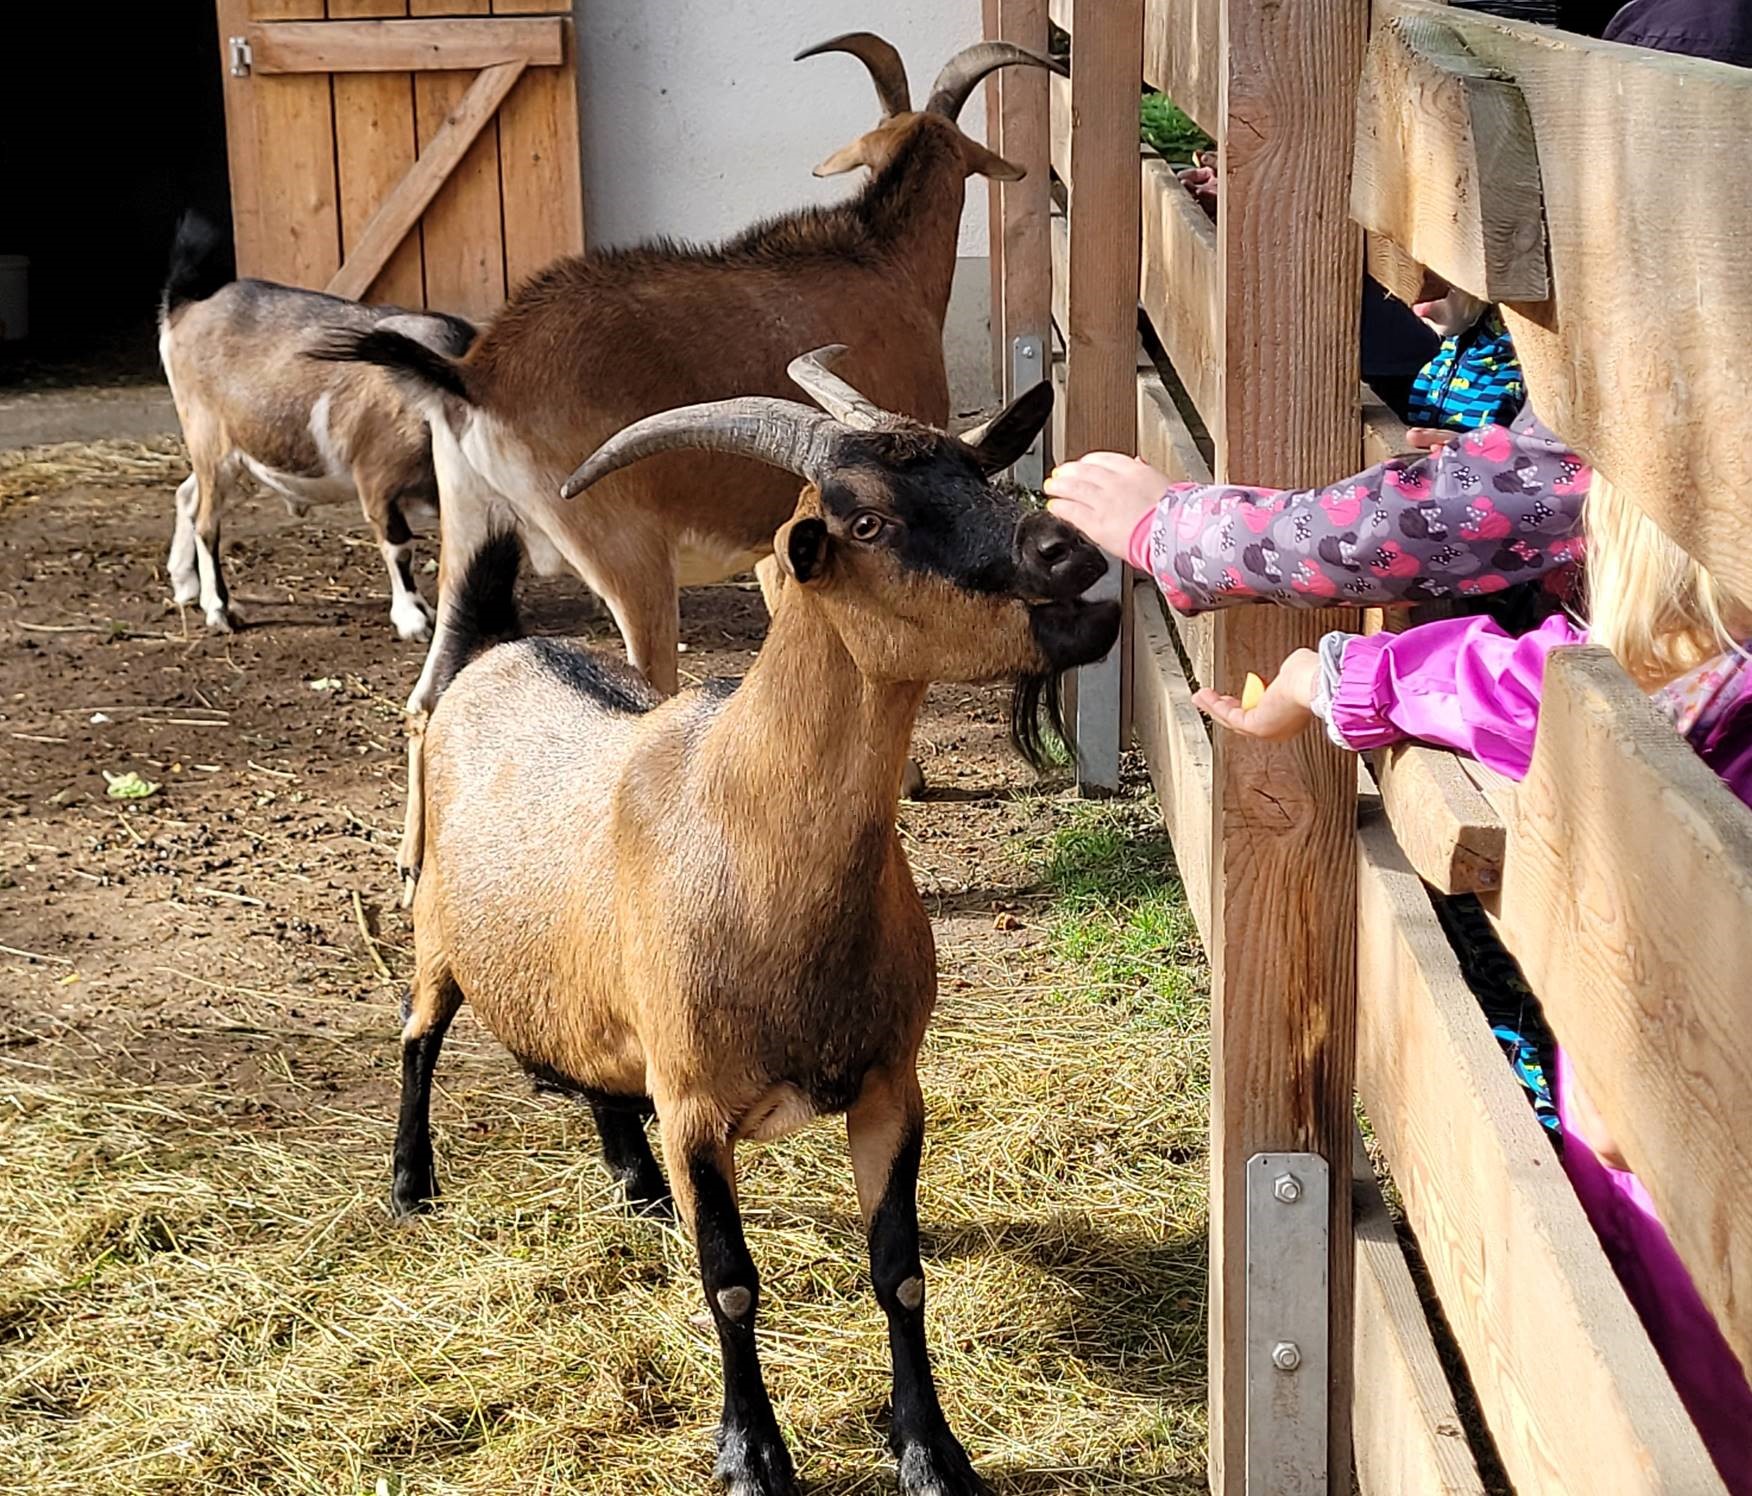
x=410, y=879
x=413, y=623
x=648, y=1197
x=754, y=1464
x=415, y=1192
x=937, y=1465
x=912, y=781
x=225, y=620
x=182, y=593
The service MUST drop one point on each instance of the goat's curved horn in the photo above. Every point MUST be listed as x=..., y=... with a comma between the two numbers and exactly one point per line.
x=962, y=73
x=785, y=433
x=886, y=69
x=810, y=372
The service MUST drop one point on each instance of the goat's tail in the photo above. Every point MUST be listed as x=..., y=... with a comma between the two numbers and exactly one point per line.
x=421, y=371
x=200, y=262
x=482, y=609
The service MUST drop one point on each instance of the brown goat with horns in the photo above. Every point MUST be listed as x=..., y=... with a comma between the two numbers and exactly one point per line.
x=596, y=342
x=706, y=908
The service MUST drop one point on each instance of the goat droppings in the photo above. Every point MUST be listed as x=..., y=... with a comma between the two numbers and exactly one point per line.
x=735, y=1302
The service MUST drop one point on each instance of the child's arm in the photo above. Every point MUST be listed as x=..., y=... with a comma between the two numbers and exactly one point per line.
x=1460, y=683
x=1495, y=506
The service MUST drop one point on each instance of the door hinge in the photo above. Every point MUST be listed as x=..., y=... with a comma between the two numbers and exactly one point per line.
x=241, y=56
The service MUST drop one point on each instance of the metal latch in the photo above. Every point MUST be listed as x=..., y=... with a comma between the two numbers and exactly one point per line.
x=1027, y=369
x=241, y=56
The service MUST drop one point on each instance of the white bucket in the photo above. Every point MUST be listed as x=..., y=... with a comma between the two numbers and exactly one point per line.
x=14, y=297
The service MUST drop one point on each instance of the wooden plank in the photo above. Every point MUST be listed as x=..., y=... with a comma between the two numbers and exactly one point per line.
x=1171, y=732
x=1283, y=969
x=991, y=25
x=1627, y=898
x=1383, y=431
x=404, y=46
x=242, y=146
x=541, y=167
x=1022, y=103
x=1651, y=133
x=374, y=150
x=461, y=230
x=1397, y=273
x=401, y=210
x=1101, y=332
x=1060, y=13
x=1429, y=111
x=1564, y=1373
x=1405, y=1428
x=1058, y=409
x=1059, y=239
x=1445, y=827
x=1059, y=126
x=532, y=7
x=1179, y=284
x=1166, y=444
x=297, y=239
x=1183, y=56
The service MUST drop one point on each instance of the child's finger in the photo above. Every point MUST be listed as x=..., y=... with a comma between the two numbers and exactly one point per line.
x=1063, y=485
x=1113, y=462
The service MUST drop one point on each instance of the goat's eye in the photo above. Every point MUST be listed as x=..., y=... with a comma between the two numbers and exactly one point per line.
x=868, y=525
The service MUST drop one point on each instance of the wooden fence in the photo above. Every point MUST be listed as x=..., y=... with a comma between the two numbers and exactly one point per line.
x=1598, y=192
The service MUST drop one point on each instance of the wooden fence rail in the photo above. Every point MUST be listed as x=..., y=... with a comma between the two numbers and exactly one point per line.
x=1619, y=873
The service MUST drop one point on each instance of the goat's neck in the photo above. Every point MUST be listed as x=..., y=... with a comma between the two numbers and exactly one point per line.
x=927, y=189
x=809, y=746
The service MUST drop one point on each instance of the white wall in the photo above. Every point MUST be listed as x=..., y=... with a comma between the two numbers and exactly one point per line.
x=696, y=123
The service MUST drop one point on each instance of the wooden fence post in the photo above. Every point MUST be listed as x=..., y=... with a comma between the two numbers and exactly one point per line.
x=1016, y=128
x=1101, y=338
x=1284, y=862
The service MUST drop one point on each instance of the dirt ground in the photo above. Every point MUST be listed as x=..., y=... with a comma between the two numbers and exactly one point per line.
x=197, y=1021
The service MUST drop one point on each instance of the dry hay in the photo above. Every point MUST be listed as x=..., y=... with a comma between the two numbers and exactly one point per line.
x=32, y=473
x=202, y=1293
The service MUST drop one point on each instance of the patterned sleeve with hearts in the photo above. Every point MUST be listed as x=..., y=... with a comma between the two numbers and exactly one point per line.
x=1499, y=505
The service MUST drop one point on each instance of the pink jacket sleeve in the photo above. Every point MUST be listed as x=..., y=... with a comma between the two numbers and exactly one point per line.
x=1460, y=683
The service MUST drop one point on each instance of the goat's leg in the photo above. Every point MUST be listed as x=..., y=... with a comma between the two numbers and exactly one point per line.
x=211, y=480
x=185, y=577
x=752, y=1458
x=408, y=612
x=620, y=1123
x=885, y=1129
x=429, y=1008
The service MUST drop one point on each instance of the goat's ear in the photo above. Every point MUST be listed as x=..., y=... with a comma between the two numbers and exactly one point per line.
x=986, y=163
x=846, y=158
x=1012, y=430
x=803, y=547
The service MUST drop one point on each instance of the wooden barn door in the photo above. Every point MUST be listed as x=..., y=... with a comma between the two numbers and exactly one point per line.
x=421, y=152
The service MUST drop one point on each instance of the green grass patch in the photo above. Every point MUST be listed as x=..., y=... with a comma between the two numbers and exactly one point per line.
x=1168, y=130
x=1118, y=923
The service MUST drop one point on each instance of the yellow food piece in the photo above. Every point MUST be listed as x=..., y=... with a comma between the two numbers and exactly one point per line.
x=1252, y=692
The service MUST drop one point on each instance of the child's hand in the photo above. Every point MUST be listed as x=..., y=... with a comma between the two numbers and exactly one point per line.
x=1283, y=712
x=1106, y=495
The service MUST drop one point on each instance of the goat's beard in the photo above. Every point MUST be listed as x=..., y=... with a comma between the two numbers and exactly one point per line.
x=1037, y=720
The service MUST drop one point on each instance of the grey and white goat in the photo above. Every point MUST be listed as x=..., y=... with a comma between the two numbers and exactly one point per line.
x=251, y=401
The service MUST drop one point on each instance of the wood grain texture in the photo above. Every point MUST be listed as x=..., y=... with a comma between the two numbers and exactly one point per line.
x=1171, y=733
x=1283, y=969
x=1059, y=248
x=1178, y=284
x=1445, y=827
x=1383, y=431
x=1183, y=56
x=541, y=168
x=400, y=211
x=1430, y=112
x=1058, y=113
x=1101, y=328
x=1564, y=1373
x=1397, y=273
x=991, y=26
x=389, y=46
x=242, y=143
x=1643, y=354
x=461, y=231
x=1021, y=95
x=1405, y=1427
x=1627, y=898
x=374, y=150
x=298, y=235
x=1166, y=444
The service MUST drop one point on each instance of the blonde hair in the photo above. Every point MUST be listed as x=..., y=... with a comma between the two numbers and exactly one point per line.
x=1658, y=611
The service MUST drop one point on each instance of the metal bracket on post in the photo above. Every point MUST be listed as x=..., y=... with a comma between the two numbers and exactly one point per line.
x=242, y=56
x=1027, y=369
x=1287, y=1323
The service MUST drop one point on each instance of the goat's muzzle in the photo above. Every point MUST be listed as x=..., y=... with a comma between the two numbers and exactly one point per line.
x=1054, y=559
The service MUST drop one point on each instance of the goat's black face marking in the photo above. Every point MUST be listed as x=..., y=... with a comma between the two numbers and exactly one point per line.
x=923, y=496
